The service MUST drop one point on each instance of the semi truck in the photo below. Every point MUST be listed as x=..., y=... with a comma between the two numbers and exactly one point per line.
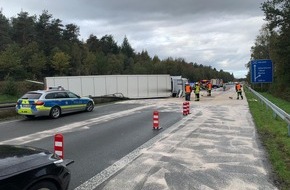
x=216, y=83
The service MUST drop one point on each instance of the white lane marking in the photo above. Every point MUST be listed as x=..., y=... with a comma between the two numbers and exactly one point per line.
x=71, y=127
x=98, y=179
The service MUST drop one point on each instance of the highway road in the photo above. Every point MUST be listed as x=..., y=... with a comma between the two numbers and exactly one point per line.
x=114, y=147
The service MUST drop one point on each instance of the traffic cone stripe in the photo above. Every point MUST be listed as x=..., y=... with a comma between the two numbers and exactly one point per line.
x=59, y=144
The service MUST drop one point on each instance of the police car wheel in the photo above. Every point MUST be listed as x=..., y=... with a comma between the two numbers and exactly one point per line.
x=44, y=185
x=90, y=106
x=55, y=112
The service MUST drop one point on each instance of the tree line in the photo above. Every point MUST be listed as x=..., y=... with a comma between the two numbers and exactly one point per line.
x=34, y=47
x=273, y=42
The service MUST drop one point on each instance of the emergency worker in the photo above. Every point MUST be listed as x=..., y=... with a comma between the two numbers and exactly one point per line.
x=224, y=86
x=239, y=90
x=188, y=90
x=196, y=91
x=209, y=87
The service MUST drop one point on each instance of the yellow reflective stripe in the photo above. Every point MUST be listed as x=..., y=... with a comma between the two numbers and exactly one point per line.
x=42, y=107
x=25, y=101
x=24, y=111
x=74, y=106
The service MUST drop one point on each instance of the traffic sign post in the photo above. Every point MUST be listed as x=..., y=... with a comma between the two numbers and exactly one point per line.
x=261, y=71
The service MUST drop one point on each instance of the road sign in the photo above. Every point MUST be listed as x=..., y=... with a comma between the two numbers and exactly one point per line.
x=261, y=71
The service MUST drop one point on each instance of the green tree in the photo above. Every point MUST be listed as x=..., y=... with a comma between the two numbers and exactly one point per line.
x=60, y=63
x=93, y=43
x=76, y=56
x=5, y=38
x=49, y=32
x=101, y=67
x=88, y=64
x=37, y=64
x=143, y=63
x=115, y=64
x=10, y=63
x=108, y=45
x=71, y=33
x=277, y=14
x=33, y=60
x=126, y=48
x=23, y=28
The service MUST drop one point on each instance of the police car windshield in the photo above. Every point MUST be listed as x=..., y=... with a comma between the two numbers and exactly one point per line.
x=31, y=95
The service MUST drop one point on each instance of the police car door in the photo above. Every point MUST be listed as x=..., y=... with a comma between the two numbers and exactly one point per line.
x=76, y=102
x=64, y=102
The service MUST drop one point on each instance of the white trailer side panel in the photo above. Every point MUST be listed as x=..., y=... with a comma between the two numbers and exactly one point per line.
x=87, y=85
x=111, y=84
x=74, y=84
x=143, y=86
x=122, y=84
x=131, y=86
x=100, y=86
x=152, y=86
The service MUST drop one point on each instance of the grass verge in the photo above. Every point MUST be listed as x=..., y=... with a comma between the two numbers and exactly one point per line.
x=273, y=133
x=6, y=98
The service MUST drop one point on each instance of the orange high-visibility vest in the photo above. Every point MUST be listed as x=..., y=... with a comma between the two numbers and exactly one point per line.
x=187, y=89
x=238, y=87
x=209, y=86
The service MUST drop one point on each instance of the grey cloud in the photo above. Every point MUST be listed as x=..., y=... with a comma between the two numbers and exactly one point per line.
x=210, y=32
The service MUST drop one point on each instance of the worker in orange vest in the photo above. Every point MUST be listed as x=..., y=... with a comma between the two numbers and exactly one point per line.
x=209, y=87
x=239, y=90
x=188, y=90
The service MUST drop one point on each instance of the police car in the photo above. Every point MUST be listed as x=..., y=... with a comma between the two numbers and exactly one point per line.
x=52, y=102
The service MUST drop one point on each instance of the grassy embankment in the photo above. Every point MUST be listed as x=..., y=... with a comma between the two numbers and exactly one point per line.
x=6, y=98
x=7, y=113
x=273, y=133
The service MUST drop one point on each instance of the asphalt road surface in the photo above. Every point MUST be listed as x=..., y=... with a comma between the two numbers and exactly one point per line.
x=114, y=147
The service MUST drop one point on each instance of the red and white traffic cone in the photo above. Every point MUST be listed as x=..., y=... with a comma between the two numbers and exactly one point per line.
x=58, y=145
x=155, y=120
x=188, y=109
x=184, y=108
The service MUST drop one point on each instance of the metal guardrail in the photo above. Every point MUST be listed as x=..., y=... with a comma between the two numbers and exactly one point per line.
x=277, y=111
x=7, y=105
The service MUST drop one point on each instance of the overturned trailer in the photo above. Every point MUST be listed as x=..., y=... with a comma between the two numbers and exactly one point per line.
x=129, y=86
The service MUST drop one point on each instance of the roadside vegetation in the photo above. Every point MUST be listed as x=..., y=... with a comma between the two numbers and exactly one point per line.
x=273, y=133
x=273, y=43
x=7, y=98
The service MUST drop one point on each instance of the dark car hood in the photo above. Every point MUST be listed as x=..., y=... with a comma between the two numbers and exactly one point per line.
x=15, y=159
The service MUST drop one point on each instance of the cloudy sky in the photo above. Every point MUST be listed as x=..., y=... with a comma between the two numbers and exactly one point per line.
x=218, y=33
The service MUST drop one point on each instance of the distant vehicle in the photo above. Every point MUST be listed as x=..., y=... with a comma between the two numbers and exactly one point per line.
x=30, y=168
x=52, y=102
x=203, y=83
x=216, y=83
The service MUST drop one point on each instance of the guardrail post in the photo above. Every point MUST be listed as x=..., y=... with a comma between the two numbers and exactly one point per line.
x=274, y=115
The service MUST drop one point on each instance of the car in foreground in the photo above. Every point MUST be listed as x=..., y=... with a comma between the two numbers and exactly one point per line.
x=31, y=168
x=52, y=102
